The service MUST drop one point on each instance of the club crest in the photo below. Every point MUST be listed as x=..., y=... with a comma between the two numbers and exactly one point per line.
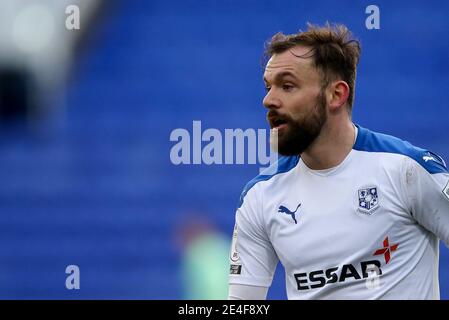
x=368, y=200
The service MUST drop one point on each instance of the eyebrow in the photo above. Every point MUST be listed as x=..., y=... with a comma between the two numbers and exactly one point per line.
x=281, y=75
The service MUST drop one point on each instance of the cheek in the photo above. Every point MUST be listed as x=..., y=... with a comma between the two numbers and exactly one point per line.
x=300, y=105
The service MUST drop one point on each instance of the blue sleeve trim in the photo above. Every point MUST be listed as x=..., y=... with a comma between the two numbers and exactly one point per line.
x=377, y=142
x=284, y=164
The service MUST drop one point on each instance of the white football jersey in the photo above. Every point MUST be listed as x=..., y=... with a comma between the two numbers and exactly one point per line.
x=366, y=229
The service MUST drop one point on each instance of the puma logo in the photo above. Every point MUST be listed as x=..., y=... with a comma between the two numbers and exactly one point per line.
x=285, y=210
x=427, y=158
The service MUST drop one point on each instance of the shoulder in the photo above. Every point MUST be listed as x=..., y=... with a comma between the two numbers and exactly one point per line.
x=283, y=165
x=370, y=141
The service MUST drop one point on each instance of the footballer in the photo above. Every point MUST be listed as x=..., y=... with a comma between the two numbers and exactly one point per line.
x=350, y=213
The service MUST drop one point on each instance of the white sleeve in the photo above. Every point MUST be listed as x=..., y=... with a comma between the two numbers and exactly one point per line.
x=253, y=260
x=428, y=195
x=244, y=292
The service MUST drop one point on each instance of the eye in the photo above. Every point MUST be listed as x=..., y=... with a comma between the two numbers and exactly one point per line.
x=287, y=87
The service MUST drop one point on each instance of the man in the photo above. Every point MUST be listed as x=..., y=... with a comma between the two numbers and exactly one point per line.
x=350, y=213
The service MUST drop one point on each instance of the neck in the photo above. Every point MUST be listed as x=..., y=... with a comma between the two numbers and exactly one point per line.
x=331, y=147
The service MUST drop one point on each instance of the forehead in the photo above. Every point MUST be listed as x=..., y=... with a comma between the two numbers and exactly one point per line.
x=296, y=60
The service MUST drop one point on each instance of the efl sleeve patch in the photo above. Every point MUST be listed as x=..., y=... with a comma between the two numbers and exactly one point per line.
x=234, y=253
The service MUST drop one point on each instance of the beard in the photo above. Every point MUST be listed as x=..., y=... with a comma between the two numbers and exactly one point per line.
x=298, y=135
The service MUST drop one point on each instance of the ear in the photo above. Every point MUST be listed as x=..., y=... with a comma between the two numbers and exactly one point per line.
x=338, y=95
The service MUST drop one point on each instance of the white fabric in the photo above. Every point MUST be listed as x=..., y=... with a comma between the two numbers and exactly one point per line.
x=244, y=292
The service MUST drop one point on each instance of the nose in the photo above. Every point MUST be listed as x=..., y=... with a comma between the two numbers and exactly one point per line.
x=270, y=101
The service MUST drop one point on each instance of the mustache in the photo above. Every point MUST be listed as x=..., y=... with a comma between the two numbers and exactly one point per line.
x=273, y=115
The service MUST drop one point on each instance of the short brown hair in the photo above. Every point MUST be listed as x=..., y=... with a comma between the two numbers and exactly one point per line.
x=336, y=53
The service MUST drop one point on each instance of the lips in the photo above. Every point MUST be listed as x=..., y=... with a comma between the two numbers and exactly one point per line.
x=277, y=121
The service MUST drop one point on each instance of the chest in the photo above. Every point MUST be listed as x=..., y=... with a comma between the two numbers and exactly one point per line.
x=333, y=219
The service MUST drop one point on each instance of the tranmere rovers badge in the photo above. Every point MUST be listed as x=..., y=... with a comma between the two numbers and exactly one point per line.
x=368, y=200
